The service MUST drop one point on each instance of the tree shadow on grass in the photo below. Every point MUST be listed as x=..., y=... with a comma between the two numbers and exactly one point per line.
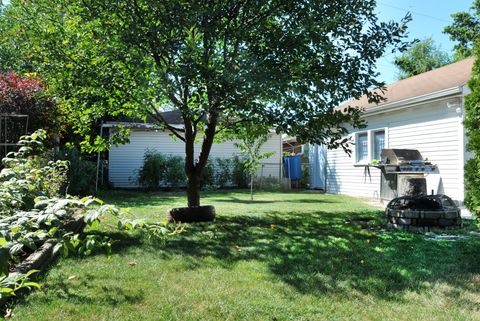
x=319, y=253
x=322, y=252
x=233, y=199
x=88, y=291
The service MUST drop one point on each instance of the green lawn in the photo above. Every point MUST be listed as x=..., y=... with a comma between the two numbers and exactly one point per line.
x=284, y=256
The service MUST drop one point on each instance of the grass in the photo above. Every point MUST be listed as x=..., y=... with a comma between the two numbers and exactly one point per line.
x=284, y=256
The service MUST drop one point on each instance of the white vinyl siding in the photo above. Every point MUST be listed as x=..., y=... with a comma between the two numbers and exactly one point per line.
x=432, y=128
x=125, y=160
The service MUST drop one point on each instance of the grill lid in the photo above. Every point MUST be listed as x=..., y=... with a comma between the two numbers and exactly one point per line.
x=396, y=156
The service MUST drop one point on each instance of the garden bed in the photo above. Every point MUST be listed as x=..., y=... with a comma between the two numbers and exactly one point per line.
x=41, y=258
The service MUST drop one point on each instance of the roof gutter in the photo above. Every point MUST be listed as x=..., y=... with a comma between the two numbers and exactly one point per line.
x=112, y=124
x=442, y=94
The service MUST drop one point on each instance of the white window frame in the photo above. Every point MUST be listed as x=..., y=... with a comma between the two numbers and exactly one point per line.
x=370, y=139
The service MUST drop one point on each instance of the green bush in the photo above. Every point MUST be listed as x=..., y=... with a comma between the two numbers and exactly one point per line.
x=174, y=175
x=271, y=184
x=152, y=170
x=472, y=183
x=208, y=179
x=472, y=128
x=239, y=176
x=81, y=171
x=160, y=170
x=28, y=174
x=32, y=213
x=223, y=169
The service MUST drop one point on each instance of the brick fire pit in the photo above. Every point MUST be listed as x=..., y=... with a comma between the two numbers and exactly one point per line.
x=423, y=213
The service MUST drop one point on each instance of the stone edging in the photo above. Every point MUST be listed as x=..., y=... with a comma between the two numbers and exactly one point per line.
x=43, y=256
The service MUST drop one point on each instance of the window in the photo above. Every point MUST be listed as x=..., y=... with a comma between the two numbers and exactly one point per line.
x=378, y=144
x=369, y=145
x=362, y=148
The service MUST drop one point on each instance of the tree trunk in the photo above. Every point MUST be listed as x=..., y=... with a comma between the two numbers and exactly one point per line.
x=193, y=190
x=251, y=187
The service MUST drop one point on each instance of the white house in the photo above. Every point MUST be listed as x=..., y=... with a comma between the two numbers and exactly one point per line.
x=424, y=112
x=125, y=160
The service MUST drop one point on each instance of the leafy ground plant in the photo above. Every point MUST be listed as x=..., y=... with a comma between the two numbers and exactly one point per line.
x=33, y=213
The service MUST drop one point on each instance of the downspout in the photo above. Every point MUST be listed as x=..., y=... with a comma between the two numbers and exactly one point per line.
x=325, y=170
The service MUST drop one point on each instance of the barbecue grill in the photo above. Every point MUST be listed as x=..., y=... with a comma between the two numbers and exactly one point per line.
x=403, y=172
x=403, y=179
x=405, y=161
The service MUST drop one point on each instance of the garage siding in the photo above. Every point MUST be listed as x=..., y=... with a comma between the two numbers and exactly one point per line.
x=125, y=160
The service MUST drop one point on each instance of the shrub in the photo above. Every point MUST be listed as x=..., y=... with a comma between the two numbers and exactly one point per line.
x=174, y=175
x=223, y=168
x=81, y=172
x=152, y=170
x=27, y=174
x=27, y=95
x=472, y=129
x=168, y=171
x=158, y=169
x=271, y=184
x=208, y=179
x=32, y=214
x=472, y=183
x=239, y=176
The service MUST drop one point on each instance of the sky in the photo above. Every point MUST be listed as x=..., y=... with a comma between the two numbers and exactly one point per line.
x=429, y=17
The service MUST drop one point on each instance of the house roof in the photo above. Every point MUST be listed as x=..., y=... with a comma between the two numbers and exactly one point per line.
x=173, y=118
x=450, y=76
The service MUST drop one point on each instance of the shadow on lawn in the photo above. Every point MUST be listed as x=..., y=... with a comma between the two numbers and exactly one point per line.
x=142, y=198
x=330, y=253
x=233, y=199
x=84, y=292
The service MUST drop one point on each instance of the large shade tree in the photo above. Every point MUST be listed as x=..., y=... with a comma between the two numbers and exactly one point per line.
x=423, y=56
x=465, y=30
x=283, y=64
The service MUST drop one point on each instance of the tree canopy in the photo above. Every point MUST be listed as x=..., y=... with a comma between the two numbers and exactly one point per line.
x=423, y=56
x=472, y=129
x=282, y=64
x=465, y=30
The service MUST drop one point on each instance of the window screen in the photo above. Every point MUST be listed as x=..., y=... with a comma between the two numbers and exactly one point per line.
x=378, y=144
x=362, y=147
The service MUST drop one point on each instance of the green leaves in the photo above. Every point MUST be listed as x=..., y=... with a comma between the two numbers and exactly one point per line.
x=28, y=176
x=16, y=281
x=275, y=62
x=465, y=30
x=421, y=57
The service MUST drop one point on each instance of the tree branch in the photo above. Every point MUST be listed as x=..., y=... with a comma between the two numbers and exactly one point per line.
x=159, y=117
